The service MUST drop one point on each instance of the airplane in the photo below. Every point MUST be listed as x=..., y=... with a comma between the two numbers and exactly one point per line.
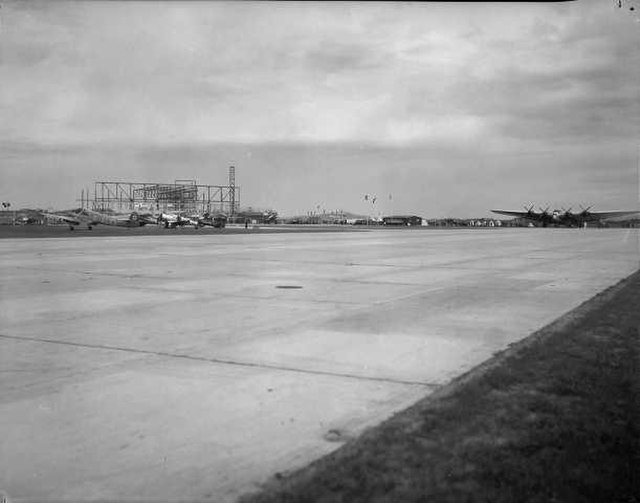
x=566, y=217
x=26, y=220
x=218, y=220
x=173, y=220
x=91, y=218
x=259, y=216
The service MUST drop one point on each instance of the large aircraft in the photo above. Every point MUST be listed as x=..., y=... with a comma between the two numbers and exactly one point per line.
x=566, y=217
x=91, y=218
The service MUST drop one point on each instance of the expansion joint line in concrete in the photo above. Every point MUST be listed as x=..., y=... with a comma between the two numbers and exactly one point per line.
x=222, y=361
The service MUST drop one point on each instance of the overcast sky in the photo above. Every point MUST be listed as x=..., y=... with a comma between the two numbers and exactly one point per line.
x=449, y=108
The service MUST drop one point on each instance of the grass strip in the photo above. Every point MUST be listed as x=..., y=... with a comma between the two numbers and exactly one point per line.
x=554, y=418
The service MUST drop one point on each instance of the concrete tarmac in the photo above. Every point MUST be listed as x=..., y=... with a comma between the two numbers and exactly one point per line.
x=195, y=367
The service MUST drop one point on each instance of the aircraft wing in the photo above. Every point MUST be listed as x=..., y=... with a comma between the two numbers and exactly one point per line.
x=521, y=214
x=604, y=215
x=147, y=219
x=127, y=219
x=62, y=218
x=210, y=223
x=131, y=220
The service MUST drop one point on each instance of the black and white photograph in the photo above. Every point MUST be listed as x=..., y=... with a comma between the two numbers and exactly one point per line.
x=287, y=251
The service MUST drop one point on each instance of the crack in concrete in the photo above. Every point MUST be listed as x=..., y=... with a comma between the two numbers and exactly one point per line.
x=223, y=361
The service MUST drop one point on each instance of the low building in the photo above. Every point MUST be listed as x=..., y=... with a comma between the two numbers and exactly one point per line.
x=406, y=220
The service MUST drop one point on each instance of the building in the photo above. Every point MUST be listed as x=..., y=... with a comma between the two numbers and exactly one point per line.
x=406, y=220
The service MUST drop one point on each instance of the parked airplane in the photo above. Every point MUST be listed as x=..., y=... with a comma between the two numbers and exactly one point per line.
x=252, y=215
x=91, y=218
x=26, y=220
x=173, y=220
x=218, y=220
x=566, y=217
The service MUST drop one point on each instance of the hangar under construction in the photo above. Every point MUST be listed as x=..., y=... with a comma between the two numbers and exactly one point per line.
x=184, y=196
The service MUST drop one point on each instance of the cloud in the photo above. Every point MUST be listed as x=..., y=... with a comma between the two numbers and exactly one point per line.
x=441, y=74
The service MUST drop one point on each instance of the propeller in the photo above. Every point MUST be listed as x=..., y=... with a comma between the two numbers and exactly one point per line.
x=585, y=211
x=567, y=212
x=545, y=211
x=529, y=209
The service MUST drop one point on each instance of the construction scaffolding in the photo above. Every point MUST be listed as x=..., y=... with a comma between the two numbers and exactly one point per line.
x=183, y=196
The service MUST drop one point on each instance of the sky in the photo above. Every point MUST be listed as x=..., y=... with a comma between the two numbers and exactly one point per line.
x=436, y=108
